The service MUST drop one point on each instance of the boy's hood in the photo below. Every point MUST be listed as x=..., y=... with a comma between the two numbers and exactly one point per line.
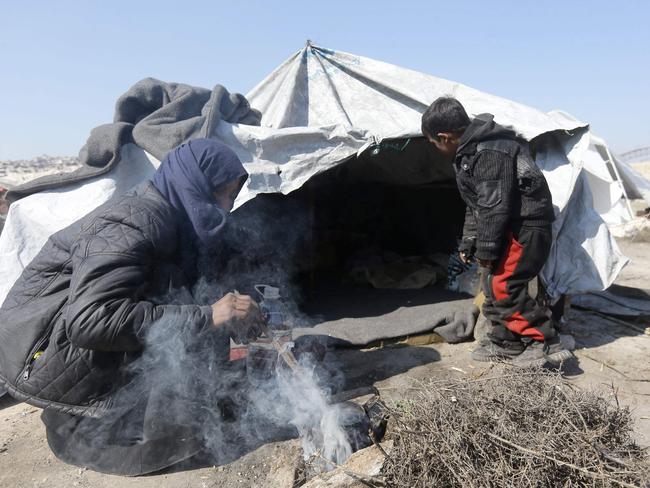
x=483, y=128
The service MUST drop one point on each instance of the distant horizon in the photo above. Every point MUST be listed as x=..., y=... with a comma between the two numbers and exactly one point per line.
x=54, y=156
x=44, y=155
x=65, y=64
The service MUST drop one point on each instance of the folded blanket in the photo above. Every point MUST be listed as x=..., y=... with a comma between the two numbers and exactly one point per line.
x=360, y=316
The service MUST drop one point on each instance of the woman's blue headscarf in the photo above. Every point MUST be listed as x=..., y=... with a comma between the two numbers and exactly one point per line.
x=188, y=177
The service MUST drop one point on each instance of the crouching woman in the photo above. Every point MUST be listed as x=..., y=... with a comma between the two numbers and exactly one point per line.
x=79, y=316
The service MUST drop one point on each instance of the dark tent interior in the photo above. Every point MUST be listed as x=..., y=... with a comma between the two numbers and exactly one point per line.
x=396, y=203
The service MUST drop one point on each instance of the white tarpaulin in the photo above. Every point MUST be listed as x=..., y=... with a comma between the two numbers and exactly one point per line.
x=321, y=107
x=612, y=182
x=638, y=184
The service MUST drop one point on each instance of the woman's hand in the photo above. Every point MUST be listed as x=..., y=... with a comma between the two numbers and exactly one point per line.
x=240, y=315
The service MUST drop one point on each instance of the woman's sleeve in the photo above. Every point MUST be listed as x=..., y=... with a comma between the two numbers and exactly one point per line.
x=110, y=270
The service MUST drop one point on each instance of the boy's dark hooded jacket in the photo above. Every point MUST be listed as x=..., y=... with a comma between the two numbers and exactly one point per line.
x=81, y=309
x=501, y=185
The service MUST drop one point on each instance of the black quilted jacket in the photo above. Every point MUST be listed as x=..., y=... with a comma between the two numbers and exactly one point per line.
x=81, y=308
x=501, y=185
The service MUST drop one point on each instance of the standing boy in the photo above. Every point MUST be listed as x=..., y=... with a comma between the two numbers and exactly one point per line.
x=507, y=229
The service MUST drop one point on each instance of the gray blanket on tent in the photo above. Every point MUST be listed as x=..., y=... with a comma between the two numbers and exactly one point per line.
x=155, y=115
x=359, y=316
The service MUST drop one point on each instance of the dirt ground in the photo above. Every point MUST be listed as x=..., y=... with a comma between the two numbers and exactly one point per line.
x=610, y=357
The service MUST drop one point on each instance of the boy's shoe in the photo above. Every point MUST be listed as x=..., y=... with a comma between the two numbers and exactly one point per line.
x=539, y=353
x=489, y=351
x=555, y=351
x=532, y=357
x=568, y=341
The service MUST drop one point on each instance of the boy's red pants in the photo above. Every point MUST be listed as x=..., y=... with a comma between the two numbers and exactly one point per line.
x=514, y=314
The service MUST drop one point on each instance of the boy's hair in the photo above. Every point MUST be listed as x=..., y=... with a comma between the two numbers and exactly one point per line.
x=445, y=114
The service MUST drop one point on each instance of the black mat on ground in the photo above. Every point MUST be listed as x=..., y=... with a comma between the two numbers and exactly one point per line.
x=358, y=316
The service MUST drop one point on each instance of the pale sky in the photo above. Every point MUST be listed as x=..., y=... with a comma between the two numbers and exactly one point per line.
x=63, y=64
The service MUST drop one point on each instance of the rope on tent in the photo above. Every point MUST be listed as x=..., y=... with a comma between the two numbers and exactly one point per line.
x=383, y=146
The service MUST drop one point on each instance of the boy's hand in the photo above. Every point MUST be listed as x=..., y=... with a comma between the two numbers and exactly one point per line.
x=484, y=263
x=240, y=315
x=465, y=257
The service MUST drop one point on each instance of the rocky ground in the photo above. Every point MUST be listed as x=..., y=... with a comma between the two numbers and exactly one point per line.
x=610, y=357
x=18, y=171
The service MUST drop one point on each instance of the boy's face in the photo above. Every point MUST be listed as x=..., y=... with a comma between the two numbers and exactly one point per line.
x=446, y=143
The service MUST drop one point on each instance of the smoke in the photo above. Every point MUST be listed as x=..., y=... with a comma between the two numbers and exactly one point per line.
x=301, y=400
x=182, y=397
x=266, y=241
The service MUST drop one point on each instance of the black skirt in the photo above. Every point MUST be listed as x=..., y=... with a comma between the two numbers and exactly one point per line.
x=121, y=446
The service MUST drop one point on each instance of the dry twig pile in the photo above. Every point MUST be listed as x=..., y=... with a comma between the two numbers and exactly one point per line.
x=522, y=429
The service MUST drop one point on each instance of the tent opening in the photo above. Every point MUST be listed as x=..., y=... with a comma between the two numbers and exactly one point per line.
x=376, y=228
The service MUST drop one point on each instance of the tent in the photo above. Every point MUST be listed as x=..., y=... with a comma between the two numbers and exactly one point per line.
x=612, y=181
x=634, y=171
x=336, y=129
x=638, y=159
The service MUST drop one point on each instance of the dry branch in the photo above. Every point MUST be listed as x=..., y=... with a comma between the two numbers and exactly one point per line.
x=513, y=430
